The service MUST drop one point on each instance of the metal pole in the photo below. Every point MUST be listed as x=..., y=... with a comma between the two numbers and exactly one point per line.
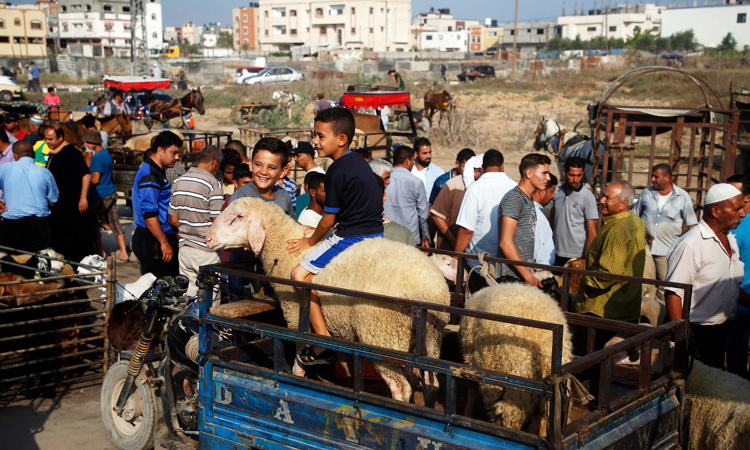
x=132, y=38
x=515, y=39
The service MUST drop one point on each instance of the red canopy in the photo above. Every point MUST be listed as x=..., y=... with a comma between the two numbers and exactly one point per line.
x=375, y=99
x=136, y=83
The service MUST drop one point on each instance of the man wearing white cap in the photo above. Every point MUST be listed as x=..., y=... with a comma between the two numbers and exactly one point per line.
x=708, y=258
x=34, y=123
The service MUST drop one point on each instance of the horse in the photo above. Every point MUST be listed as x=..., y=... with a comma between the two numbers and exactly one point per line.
x=164, y=111
x=437, y=101
x=566, y=144
x=286, y=100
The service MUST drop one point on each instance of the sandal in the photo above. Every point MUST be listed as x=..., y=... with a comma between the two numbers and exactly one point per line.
x=307, y=358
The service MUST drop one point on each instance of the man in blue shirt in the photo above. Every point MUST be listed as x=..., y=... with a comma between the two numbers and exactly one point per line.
x=28, y=191
x=406, y=200
x=154, y=239
x=34, y=78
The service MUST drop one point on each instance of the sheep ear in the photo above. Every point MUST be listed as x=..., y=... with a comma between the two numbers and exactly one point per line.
x=256, y=235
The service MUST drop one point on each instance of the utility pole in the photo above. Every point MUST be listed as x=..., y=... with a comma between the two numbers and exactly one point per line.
x=606, y=29
x=132, y=37
x=515, y=40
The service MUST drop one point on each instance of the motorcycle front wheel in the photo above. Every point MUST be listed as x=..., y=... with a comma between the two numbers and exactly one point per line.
x=134, y=429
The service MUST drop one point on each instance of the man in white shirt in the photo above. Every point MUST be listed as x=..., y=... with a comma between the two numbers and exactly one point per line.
x=311, y=215
x=304, y=157
x=423, y=167
x=477, y=219
x=544, y=244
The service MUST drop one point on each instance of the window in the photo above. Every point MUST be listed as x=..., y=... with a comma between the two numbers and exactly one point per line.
x=591, y=29
x=428, y=37
x=88, y=7
x=613, y=28
x=126, y=27
x=354, y=30
x=17, y=22
x=154, y=35
x=655, y=28
x=293, y=32
x=126, y=9
x=19, y=40
x=36, y=40
x=2, y=24
x=336, y=10
x=372, y=10
x=89, y=26
x=64, y=8
x=36, y=25
x=440, y=38
x=512, y=32
x=450, y=28
x=153, y=16
x=4, y=39
x=265, y=13
x=244, y=30
x=318, y=12
x=279, y=30
x=266, y=33
x=106, y=8
x=65, y=27
x=636, y=28
x=245, y=41
x=492, y=34
x=742, y=18
x=372, y=30
x=293, y=13
x=279, y=12
x=382, y=29
x=354, y=11
x=322, y=31
x=540, y=31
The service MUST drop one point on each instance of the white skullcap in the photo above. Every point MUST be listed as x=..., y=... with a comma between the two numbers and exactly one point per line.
x=36, y=120
x=719, y=193
x=475, y=162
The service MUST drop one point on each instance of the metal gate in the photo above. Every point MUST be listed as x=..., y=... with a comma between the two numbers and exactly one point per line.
x=698, y=143
x=52, y=337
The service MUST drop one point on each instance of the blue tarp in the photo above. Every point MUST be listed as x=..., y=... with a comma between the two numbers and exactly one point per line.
x=671, y=56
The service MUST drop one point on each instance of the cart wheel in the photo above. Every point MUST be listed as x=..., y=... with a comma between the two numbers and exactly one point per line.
x=134, y=430
x=262, y=116
x=237, y=116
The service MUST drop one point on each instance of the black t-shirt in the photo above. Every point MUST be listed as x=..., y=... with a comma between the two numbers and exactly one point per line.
x=68, y=167
x=354, y=196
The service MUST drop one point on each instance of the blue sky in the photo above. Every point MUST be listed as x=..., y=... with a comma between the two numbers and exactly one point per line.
x=200, y=12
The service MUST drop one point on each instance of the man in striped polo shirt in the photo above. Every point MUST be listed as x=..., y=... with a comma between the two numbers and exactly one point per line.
x=196, y=201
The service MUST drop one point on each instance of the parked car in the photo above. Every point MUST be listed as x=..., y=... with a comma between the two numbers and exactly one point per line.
x=275, y=75
x=9, y=90
x=473, y=72
x=244, y=73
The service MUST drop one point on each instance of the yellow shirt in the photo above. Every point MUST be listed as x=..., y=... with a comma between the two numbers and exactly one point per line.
x=619, y=248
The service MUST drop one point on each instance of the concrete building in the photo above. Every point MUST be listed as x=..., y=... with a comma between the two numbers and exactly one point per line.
x=103, y=28
x=445, y=41
x=172, y=34
x=620, y=22
x=532, y=37
x=378, y=25
x=187, y=33
x=710, y=23
x=436, y=21
x=23, y=31
x=245, y=27
x=482, y=39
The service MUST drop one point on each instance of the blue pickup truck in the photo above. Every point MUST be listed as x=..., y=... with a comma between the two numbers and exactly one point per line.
x=249, y=404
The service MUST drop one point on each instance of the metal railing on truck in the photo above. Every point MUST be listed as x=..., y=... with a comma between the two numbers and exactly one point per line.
x=55, y=341
x=351, y=406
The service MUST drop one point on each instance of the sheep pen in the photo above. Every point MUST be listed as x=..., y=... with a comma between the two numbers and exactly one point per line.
x=376, y=266
x=513, y=349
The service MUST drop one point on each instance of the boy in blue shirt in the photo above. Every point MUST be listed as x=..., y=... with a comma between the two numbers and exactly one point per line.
x=353, y=202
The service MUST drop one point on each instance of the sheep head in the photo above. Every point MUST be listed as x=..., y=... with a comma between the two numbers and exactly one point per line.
x=238, y=226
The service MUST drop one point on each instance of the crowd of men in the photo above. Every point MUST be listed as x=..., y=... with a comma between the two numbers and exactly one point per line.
x=56, y=196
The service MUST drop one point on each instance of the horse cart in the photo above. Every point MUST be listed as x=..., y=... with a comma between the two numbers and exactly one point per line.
x=251, y=112
x=699, y=143
x=371, y=133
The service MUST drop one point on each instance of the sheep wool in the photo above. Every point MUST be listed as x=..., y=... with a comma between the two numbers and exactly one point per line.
x=376, y=266
x=513, y=349
x=720, y=415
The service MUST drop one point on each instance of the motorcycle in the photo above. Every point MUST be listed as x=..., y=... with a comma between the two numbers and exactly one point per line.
x=153, y=397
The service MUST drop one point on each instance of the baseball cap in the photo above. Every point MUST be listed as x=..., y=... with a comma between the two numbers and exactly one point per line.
x=92, y=137
x=11, y=117
x=304, y=147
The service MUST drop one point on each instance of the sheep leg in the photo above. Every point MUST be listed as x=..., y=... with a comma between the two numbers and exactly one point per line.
x=397, y=383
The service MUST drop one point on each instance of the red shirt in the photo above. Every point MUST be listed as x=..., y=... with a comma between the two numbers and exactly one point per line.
x=20, y=134
x=51, y=100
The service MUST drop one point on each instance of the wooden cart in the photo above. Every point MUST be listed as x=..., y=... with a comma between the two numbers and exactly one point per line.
x=256, y=112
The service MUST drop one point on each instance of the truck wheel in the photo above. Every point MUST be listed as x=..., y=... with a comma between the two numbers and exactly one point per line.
x=134, y=430
x=6, y=96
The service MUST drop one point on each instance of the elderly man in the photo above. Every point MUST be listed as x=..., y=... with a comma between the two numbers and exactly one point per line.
x=72, y=225
x=406, y=201
x=195, y=204
x=707, y=257
x=154, y=239
x=34, y=123
x=477, y=219
x=619, y=249
x=28, y=192
x=423, y=167
x=382, y=168
x=664, y=209
x=517, y=218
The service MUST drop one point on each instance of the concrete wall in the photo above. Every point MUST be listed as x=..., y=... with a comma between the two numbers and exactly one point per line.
x=709, y=23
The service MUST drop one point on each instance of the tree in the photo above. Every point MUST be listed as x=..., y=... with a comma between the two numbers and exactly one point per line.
x=245, y=47
x=728, y=43
x=226, y=40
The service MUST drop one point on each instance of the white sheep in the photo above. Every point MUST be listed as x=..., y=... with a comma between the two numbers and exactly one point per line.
x=720, y=414
x=513, y=349
x=376, y=266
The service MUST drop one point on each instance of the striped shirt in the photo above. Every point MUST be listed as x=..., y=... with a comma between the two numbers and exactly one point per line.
x=196, y=199
x=520, y=207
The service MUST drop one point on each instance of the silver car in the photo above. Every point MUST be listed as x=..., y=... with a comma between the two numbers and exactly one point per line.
x=275, y=75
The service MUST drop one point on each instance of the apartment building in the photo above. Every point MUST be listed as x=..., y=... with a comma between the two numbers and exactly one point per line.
x=245, y=27
x=619, y=22
x=440, y=21
x=23, y=31
x=482, y=39
x=532, y=37
x=377, y=25
x=710, y=23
